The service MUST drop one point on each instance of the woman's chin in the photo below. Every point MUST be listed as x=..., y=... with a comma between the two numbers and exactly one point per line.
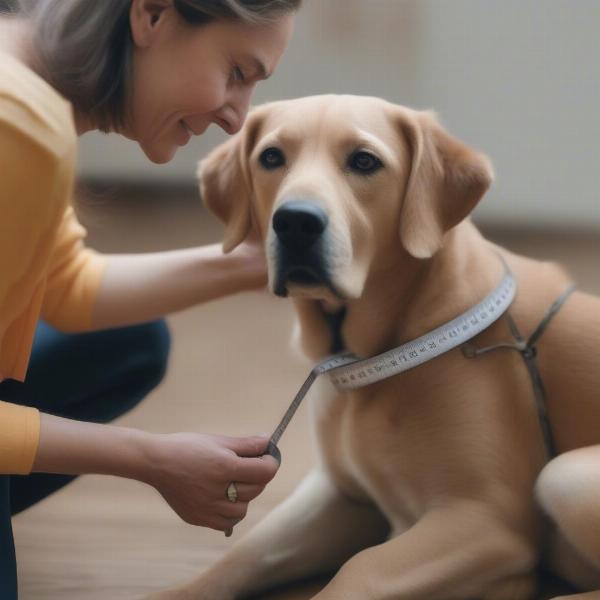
x=159, y=155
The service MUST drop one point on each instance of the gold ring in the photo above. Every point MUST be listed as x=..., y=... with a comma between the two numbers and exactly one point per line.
x=232, y=493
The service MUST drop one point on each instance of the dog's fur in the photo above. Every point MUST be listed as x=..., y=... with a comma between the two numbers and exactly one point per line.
x=431, y=484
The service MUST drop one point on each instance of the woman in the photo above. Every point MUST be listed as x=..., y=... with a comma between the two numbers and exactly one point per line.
x=158, y=72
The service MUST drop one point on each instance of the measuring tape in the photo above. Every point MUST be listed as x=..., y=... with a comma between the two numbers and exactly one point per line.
x=347, y=371
x=455, y=333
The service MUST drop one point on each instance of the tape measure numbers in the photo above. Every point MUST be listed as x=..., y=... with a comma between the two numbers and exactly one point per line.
x=451, y=335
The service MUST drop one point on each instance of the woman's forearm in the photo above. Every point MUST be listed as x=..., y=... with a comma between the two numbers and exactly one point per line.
x=74, y=448
x=192, y=471
x=142, y=287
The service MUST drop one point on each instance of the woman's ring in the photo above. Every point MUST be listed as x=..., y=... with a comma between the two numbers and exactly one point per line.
x=232, y=493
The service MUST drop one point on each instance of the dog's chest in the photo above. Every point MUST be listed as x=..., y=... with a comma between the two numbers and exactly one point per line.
x=404, y=445
x=373, y=447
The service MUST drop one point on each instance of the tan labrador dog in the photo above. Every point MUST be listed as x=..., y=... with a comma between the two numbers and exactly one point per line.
x=431, y=484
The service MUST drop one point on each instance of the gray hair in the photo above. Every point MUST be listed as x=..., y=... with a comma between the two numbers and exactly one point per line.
x=83, y=47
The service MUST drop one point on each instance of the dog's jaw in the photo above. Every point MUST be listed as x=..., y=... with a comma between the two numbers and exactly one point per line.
x=325, y=295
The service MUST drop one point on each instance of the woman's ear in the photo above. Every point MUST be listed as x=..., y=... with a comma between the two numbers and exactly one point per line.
x=145, y=17
x=446, y=181
x=226, y=185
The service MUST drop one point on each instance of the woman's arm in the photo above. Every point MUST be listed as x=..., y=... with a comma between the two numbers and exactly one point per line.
x=190, y=470
x=141, y=287
x=75, y=447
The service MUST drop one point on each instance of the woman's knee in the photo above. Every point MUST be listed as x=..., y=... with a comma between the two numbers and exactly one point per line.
x=145, y=356
x=151, y=347
x=132, y=361
x=95, y=376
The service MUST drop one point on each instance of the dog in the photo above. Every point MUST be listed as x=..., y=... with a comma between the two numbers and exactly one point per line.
x=434, y=483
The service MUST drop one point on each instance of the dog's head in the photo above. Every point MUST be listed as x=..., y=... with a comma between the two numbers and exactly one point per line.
x=335, y=183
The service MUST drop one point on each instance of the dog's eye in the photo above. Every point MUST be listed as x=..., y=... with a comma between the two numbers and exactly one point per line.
x=364, y=162
x=272, y=158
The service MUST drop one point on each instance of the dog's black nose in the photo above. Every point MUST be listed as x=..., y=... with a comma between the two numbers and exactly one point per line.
x=299, y=224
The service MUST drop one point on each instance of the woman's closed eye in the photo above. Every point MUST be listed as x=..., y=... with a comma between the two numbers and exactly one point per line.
x=237, y=75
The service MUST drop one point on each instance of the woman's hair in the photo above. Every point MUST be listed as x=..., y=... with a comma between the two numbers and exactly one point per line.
x=83, y=47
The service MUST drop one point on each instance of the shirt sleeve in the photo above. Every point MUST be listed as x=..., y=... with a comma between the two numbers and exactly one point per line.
x=27, y=213
x=19, y=438
x=74, y=277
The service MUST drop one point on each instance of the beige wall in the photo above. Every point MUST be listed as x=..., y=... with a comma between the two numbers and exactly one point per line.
x=517, y=78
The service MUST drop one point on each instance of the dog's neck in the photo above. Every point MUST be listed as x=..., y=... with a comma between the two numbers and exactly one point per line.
x=335, y=321
x=402, y=300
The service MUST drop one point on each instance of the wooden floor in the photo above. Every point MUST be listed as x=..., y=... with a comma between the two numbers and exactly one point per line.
x=231, y=372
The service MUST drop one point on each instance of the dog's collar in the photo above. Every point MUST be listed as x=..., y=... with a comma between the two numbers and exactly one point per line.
x=348, y=371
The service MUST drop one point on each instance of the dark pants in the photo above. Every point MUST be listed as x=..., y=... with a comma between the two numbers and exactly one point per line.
x=89, y=377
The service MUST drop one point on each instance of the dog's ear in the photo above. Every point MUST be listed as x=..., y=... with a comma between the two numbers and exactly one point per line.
x=226, y=185
x=446, y=180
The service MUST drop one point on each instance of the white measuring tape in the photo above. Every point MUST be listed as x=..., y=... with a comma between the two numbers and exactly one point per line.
x=455, y=333
x=347, y=371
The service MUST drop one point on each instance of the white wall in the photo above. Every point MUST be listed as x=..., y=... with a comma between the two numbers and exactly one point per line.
x=519, y=79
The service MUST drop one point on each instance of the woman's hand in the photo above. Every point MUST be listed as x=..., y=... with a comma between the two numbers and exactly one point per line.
x=253, y=263
x=192, y=472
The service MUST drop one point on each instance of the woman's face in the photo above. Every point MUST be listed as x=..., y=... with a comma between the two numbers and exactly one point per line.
x=186, y=77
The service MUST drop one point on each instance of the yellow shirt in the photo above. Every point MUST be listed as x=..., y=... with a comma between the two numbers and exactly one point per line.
x=45, y=270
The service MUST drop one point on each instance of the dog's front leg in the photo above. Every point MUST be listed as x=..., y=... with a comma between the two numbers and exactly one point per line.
x=314, y=531
x=451, y=553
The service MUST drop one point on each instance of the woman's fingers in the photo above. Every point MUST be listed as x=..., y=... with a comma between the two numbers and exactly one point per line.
x=251, y=465
x=255, y=471
x=222, y=523
x=195, y=472
x=248, y=491
x=233, y=511
x=254, y=445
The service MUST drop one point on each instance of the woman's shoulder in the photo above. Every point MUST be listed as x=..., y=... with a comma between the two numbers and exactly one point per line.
x=35, y=109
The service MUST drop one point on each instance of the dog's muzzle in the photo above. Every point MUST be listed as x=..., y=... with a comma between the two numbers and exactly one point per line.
x=300, y=227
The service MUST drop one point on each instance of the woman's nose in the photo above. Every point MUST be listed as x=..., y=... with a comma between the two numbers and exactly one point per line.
x=232, y=119
x=235, y=111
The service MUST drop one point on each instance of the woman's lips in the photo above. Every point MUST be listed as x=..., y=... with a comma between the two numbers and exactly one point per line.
x=184, y=133
x=187, y=128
